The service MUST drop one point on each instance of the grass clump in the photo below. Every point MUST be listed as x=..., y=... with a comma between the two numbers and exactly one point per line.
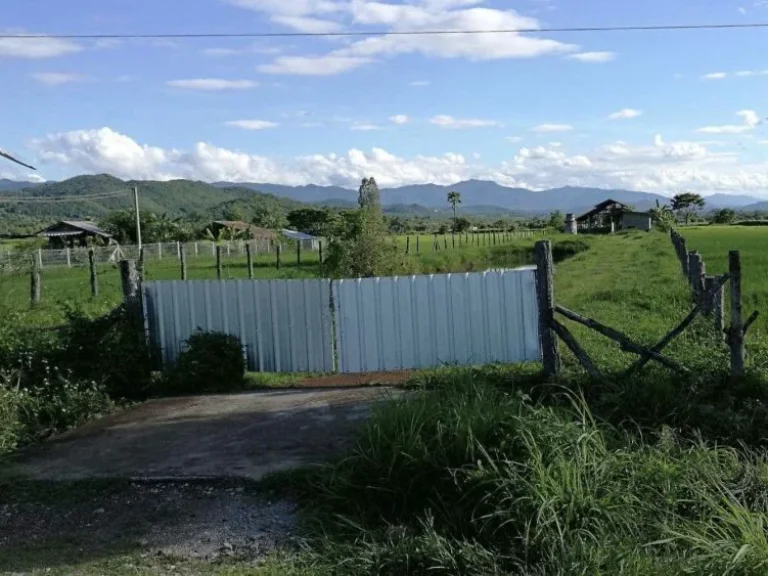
x=470, y=479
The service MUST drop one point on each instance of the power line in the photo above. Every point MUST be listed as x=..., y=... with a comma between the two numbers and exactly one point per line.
x=60, y=199
x=202, y=35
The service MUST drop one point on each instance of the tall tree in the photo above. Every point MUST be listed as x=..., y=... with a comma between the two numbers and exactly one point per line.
x=453, y=199
x=369, y=196
x=686, y=204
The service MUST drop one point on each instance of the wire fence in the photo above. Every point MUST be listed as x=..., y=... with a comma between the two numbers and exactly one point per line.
x=21, y=261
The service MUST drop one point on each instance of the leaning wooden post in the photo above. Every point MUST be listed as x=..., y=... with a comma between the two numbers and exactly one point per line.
x=94, y=279
x=278, y=249
x=129, y=276
x=218, y=262
x=183, y=260
x=35, y=284
x=298, y=253
x=736, y=333
x=718, y=308
x=249, y=259
x=546, y=301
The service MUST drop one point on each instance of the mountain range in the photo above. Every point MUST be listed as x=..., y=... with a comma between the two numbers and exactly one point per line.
x=477, y=196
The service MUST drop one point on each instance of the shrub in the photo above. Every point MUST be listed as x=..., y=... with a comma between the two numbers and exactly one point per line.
x=109, y=349
x=212, y=362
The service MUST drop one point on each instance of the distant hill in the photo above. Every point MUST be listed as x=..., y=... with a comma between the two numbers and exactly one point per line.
x=484, y=197
x=186, y=197
x=14, y=185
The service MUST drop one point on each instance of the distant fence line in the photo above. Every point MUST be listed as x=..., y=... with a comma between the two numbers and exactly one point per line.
x=21, y=260
x=15, y=261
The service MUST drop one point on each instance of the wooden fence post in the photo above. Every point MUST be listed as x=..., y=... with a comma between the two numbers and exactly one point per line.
x=141, y=263
x=94, y=278
x=249, y=259
x=298, y=253
x=197, y=250
x=69, y=258
x=129, y=276
x=718, y=310
x=407, y=245
x=35, y=288
x=445, y=241
x=320, y=250
x=278, y=249
x=736, y=333
x=453, y=240
x=418, y=242
x=218, y=262
x=183, y=260
x=546, y=302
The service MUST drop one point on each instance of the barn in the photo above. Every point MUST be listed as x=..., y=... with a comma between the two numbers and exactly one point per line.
x=610, y=215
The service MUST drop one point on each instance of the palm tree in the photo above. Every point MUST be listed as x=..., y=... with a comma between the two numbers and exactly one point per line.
x=5, y=154
x=453, y=199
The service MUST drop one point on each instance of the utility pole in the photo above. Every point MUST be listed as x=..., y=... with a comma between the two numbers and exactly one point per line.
x=138, y=220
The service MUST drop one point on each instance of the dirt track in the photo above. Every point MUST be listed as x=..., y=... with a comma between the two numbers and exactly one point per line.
x=236, y=436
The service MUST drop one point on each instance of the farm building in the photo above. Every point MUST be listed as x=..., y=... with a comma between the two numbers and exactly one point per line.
x=73, y=233
x=611, y=215
x=307, y=240
x=243, y=229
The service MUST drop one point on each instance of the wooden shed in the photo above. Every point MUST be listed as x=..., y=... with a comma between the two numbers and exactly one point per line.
x=611, y=215
x=73, y=233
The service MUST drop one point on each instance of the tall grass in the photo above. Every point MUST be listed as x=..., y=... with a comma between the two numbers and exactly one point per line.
x=469, y=479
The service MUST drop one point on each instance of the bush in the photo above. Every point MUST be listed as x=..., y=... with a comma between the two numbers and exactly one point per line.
x=212, y=362
x=109, y=349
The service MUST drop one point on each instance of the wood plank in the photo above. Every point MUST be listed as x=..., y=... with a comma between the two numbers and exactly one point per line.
x=574, y=346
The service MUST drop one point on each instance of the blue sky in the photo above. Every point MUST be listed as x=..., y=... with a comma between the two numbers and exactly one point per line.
x=657, y=111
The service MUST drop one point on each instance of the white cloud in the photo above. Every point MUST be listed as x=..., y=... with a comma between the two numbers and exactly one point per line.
x=212, y=84
x=313, y=65
x=252, y=124
x=749, y=117
x=415, y=16
x=308, y=25
x=742, y=10
x=445, y=121
x=514, y=139
x=544, y=128
x=762, y=142
x=625, y=114
x=593, y=56
x=660, y=166
x=364, y=127
x=56, y=78
x=36, y=48
x=399, y=119
x=419, y=83
x=751, y=73
x=715, y=76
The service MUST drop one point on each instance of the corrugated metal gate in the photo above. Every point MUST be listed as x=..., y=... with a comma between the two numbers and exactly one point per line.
x=426, y=321
x=284, y=325
x=375, y=323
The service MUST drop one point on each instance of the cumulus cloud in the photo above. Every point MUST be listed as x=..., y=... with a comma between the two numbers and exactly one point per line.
x=36, y=48
x=625, y=114
x=414, y=16
x=593, y=56
x=445, y=121
x=658, y=166
x=212, y=84
x=544, y=128
x=715, y=76
x=56, y=78
x=749, y=118
x=399, y=119
x=252, y=124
